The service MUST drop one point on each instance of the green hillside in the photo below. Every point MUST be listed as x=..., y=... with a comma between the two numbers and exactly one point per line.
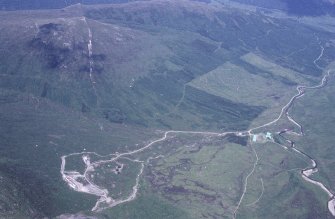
x=96, y=81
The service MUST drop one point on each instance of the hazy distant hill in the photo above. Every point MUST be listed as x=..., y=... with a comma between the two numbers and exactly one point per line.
x=310, y=7
x=48, y=4
x=297, y=7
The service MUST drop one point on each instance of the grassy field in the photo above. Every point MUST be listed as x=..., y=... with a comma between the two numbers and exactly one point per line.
x=253, y=81
x=198, y=174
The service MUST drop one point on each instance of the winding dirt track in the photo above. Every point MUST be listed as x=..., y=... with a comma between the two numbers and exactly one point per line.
x=75, y=179
x=309, y=171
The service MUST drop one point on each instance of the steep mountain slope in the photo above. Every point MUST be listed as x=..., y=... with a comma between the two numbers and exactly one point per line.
x=120, y=59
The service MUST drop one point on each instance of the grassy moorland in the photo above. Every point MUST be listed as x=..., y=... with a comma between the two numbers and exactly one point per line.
x=112, y=79
x=318, y=126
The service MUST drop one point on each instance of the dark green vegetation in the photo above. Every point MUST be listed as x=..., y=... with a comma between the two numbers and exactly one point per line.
x=146, y=57
x=146, y=206
x=34, y=136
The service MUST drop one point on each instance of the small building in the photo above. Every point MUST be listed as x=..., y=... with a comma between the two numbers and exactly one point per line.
x=262, y=138
x=269, y=136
